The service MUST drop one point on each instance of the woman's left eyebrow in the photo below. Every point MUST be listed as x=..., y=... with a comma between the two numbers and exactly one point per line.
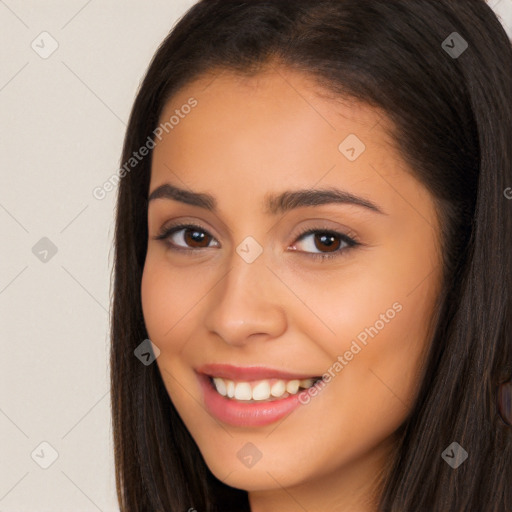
x=288, y=200
x=275, y=204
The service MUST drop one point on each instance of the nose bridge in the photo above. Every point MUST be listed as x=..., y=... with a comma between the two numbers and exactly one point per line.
x=246, y=301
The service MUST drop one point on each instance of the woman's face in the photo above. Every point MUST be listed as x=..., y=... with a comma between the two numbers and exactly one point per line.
x=246, y=288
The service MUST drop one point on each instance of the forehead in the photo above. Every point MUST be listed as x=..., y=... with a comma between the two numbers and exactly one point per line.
x=278, y=101
x=277, y=129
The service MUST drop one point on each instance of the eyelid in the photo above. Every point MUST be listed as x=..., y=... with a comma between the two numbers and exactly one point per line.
x=350, y=240
x=166, y=232
x=344, y=233
x=185, y=222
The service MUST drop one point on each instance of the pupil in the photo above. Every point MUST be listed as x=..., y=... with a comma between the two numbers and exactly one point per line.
x=195, y=236
x=328, y=240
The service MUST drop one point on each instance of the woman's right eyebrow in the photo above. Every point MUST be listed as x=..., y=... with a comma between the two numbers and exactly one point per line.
x=274, y=204
x=168, y=191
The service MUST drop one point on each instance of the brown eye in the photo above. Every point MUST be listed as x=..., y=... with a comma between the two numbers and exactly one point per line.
x=186, y=237
x=327, y=243
x=196, y=238
x=324, y=244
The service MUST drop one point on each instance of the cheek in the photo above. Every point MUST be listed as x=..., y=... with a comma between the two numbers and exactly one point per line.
x=154, y=299
x=385, y=300
x=376, y=316
x=168, y=296
x=162, y=296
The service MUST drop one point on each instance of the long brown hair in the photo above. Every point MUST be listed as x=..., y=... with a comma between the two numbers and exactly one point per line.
x=453, y=123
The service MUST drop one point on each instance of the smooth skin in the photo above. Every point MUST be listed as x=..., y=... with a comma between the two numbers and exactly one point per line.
x=249, y=137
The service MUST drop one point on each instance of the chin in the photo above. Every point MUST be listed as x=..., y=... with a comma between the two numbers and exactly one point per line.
x=258, y=478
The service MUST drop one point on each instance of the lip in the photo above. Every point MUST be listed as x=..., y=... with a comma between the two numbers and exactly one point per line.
x=249, y=373
x=240, y=414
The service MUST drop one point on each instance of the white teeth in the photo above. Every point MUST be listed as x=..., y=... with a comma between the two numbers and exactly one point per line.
x=292, y=387
x=243, y=391
x=230, y=388
x=220, y=385
x=260, y=390
x=278, y=389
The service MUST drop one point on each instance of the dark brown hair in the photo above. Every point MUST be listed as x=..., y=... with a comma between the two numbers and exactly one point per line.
x=452, y=118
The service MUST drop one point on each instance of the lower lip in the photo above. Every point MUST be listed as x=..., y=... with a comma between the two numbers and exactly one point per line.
x=240, y=414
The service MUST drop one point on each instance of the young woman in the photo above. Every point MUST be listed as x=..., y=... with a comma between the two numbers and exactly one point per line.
x=313, y=250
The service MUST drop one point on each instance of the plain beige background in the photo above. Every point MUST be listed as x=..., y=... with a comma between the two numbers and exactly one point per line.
x=69, y=71
x=63, y=118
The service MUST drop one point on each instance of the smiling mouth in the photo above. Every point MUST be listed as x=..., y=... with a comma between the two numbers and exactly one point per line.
x=265, y=390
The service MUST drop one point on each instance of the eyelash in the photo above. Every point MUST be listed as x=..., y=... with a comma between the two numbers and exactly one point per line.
x=165, y=233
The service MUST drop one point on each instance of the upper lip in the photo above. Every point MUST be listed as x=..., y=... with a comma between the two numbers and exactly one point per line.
x=228, y=371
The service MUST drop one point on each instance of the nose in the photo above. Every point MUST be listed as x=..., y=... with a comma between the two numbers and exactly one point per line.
x=247, y=304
